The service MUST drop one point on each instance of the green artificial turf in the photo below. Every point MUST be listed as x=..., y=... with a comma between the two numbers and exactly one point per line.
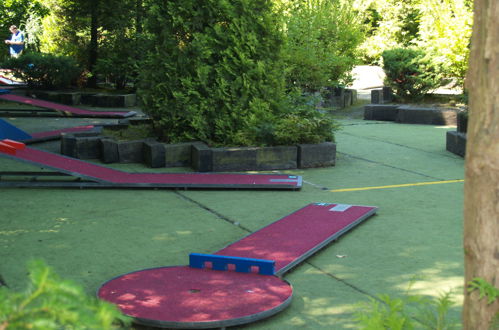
x=91, y=235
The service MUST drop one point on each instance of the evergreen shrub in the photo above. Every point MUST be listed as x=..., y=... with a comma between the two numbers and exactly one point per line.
x=44, y=71
x=215, y=73
x=411, y=73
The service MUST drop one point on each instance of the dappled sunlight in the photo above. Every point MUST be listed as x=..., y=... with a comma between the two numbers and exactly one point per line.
x=165, y=237
x=183, y=294
x=184, y=232
x=434, y=282
x=13, y=232
x=320, y=307
x=49, y=231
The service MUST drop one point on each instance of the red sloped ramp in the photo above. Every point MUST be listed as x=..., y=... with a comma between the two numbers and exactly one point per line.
x=105, y=177
x=66, y=109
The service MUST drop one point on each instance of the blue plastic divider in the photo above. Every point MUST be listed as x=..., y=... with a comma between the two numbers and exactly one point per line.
x=243, y=265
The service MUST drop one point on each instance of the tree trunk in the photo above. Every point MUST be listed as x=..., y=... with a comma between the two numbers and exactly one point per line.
x=481, y=206
x=93, y=47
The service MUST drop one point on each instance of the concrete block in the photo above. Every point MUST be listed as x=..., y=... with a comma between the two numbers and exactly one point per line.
x=70, y=98
x=428, y=116
x=109, y=148
x=273, y=158
x=88, y=147
x=178, y=154
x=234, y=159
x=114, y=100
x=316, y=155
x=381, y=112
x=79, y=145
x=130, y=151
x=68, y=145
x=456, y=143
x=154, y=154
x=201, y=157
x=462, y=122
x=377, y=96
x=387, y=95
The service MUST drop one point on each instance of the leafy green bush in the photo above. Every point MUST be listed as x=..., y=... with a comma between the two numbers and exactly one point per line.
x=301, y=124
x=44, y=71
x=215, y=70
x=411, y=73
x=407, y=313
x=322, y=37
x=216, y=75
x=52, y=303
x=445, y=31
x=390, y=24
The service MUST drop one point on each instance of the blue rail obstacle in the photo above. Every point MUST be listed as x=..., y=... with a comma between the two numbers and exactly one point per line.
x=243, y=265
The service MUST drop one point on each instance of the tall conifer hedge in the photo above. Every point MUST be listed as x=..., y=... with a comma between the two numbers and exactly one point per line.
x=215, y=73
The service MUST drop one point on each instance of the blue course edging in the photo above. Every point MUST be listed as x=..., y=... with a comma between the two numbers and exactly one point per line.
x=243, y=265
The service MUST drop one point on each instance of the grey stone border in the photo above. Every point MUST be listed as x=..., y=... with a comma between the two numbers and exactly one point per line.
x=456, y=140
x=410, y=114
x=456, y=143
x=199, y=156
x=87, y=98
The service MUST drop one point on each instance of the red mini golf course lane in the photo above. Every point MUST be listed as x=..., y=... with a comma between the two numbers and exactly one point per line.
x=66, y=109
x=183, y=297
x=108, y=177
x=294, y=238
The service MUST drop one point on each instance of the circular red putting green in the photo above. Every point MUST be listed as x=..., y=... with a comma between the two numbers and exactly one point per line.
x=184, y=297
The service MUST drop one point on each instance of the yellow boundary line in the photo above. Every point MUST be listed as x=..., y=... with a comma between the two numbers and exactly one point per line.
x=397, y=185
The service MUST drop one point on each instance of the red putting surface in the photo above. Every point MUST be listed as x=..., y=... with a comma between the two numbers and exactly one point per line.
x=295, y=237
x=183, y=297
x=64, y=108
x=189, y=297
x=114, y=177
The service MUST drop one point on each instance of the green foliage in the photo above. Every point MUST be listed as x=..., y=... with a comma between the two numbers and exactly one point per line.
x=215, y=70
x=445, y=32
x=411, y=73
x=322, y=37
x=441, y=27
x=26, y=14
x=44, y=71
x=384, y=313
x=485, y=289
x=89, y=30
x=303, y=124
x=406, y=313
x=216, y=75
x=53, y=303
x=390, y=24
x=119, y=61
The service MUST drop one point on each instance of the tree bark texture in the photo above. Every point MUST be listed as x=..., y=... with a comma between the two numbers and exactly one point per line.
x=481, y=206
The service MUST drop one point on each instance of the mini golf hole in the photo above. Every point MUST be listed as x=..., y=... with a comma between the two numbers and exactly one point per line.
x=194, y=290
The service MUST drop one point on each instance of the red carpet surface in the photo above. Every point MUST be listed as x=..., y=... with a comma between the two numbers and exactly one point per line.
x=298, y=235
x=117, y=178
x=183, y=297
x=65, y=108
